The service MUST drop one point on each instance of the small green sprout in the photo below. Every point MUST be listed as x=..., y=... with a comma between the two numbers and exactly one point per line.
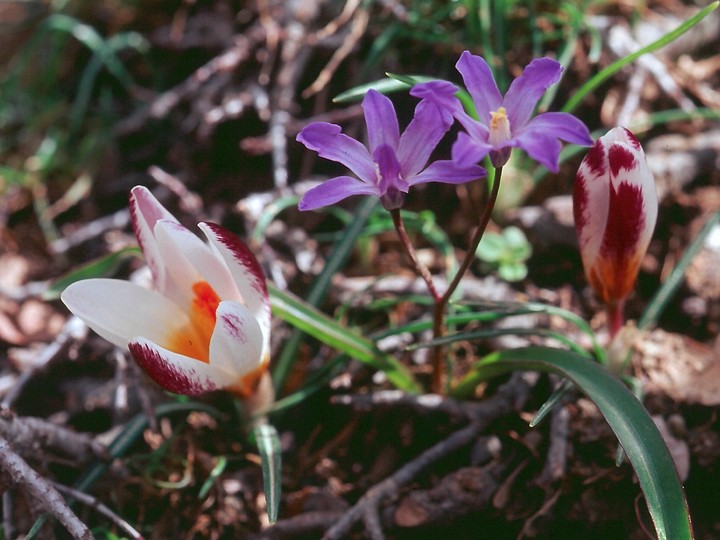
x=506, y=252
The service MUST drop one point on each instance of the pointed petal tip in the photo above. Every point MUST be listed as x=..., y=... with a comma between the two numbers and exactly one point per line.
x=241, y=253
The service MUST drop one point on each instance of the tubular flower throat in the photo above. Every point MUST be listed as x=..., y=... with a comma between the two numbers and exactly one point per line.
x=206, y=324
x=615, y=206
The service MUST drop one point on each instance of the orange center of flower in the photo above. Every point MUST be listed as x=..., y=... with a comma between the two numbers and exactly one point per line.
x=194, y=340
x=499, y=126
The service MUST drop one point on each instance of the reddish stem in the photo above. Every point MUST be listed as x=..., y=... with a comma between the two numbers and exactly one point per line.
x=441, y=303
x=615, y=317
x=420, y=268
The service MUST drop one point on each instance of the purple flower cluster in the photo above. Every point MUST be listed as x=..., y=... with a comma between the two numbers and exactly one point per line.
x=394, y=162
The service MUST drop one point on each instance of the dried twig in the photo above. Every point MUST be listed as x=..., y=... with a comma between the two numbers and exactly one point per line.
x=225, y=62
x=74, y=329
x=293, y=59
x=510, y=396
x=30, y=435
x=423, y=404
x=19, y=473
x=89, y=500
x=307, y=524
x=88, y=231
x=357, y=31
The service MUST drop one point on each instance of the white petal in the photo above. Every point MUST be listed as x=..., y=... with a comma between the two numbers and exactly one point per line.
x=145, y=211
x=638, y=175
x=189, y=260
x=120, y=310
x=177, y=373
x=246, y=272
x=236, y=345
x=592, y=201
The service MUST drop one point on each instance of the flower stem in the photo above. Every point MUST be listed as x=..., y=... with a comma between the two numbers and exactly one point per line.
x=441, y=303
x=615, y=317
x=420, y=268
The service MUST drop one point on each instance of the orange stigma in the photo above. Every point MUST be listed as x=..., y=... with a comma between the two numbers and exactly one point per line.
x=194, y=340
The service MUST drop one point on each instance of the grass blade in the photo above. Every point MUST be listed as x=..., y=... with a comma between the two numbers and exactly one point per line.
x=268, y=443
x=337, y=259
x=628, y=419
x=674, y=280
x=616, y=66
x=313, y=322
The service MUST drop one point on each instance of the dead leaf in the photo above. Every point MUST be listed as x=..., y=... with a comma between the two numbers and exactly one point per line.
x=679, y=367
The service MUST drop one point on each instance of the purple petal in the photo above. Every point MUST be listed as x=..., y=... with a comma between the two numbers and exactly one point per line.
x=480, y=83
x=564, y=126
x=442, y=93
x=381, y=120
x=448, y=172
x=389, y=169
x=469, y=151
x=175, y=372
x=334, y=190
x=427, y=127
x=542, y=147
x=528, y=88
x=330, y=143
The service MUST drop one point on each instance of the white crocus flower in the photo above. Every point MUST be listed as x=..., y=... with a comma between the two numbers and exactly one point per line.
x=205, y=327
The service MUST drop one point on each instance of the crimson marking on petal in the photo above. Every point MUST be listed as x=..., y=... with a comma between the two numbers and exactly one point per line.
x=243, y=254
x=625, y=223
x=620, y=158
x=580, y=201
x=134, y=220
x=595, y=159
x=234, y=326
x=632, y=139
x=165, y=375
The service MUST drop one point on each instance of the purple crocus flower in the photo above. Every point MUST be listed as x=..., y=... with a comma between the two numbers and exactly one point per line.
x=505, y=122
x=393, y=162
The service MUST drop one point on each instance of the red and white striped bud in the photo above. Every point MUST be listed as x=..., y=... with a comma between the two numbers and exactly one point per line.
x=615, y=206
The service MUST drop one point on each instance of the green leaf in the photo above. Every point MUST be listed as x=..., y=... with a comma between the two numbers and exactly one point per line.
x=491, y=247
x=636, y=431
x=616, y=66
x=11, y=177
x=517, y=243
x=268, y=443
x=330, y=332
x=321, y=285
x=102, y=267
x=512, y=271
x=386, y=86
x=216, y=472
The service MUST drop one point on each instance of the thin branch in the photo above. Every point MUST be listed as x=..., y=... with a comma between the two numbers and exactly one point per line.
x=508, y=398
x=73, y=330
x=25, y=477
x=92, y=502
x=29, y=435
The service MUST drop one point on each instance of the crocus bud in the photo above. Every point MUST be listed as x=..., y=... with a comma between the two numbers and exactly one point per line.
x=615, y=208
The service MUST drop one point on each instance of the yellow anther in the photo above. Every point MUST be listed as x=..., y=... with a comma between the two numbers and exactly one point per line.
x=497, y=117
